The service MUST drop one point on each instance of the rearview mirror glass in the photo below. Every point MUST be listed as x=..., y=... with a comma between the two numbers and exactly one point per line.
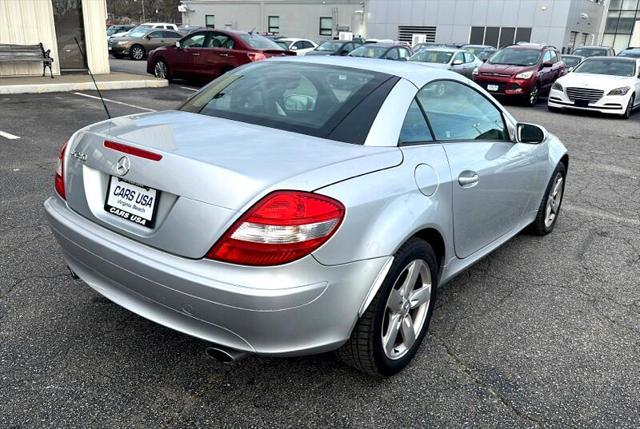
x=531, y=133
x=299, y=103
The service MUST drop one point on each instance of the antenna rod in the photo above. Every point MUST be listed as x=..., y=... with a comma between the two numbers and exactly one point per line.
x=92, y=78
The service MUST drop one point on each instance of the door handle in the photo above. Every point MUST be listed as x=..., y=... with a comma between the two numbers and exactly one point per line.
x=196, y=54
x=468, y=178
x=224, y=55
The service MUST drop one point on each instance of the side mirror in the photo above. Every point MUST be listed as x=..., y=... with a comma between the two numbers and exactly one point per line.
x=147, y=37
x=457, y=62
x=178, y=45
x=530, y=133
x=547, y=64
x=293, y=48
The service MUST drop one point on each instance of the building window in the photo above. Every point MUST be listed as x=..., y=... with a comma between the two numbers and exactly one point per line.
x=499, y=36
x=326, y=26
x=274, y=25
x=210, y=21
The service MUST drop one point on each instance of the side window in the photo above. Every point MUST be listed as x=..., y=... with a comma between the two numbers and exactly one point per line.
x=468, y=58
x=220, y=41
x=306, y=44
x=457, y=112
x=414, y=128
x=547, y=57
x=459, y=57
x=299, y=44
x=170, y=35
x=155, y=34
x=404, y=54
x=348, y=47
x=194, y=41
x=392, y=54
x=554, y=56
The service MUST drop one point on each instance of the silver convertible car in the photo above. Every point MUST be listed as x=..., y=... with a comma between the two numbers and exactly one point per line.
x=303, y=205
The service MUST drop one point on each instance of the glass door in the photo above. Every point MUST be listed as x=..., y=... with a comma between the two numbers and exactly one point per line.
x=67, y=16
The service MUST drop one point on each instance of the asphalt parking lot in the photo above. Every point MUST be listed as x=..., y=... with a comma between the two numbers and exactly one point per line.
x=545, y=332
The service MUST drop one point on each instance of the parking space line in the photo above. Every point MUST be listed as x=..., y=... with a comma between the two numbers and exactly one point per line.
x=601, y=214
x=115, y=102
x=187, y=88
x=7, y=135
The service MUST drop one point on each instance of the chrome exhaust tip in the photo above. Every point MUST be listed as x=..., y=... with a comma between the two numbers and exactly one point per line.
x=223, y=354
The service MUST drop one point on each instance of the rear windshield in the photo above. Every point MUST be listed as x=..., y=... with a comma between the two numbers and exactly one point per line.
x=591, y=52
x=257, y=41
x=305, y=98
x=329, y=46
x=369, y=51
x=608, y=66
x=431, y=56
x=632, y=53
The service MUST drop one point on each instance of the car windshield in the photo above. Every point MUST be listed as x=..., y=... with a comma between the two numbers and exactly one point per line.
x=516, y=57
x=483, y=55
x=112, y=30
x=282, y=44
x=630, y=53
x=591, y=52
x=138, y=32
x=571, y=61
x=369, y=51
x=257, y=41
x=475, y=49
x=305, y=98
x=432, y=56
x=329, y=46
x=609, y=66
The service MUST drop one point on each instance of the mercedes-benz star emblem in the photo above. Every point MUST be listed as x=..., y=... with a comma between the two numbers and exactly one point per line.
x=123, y=165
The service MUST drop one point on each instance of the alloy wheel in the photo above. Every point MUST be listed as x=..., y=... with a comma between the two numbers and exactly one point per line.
x=160, y=70
x=553, y=201
x=533, y=96
x=406, y=309
x=137, y=53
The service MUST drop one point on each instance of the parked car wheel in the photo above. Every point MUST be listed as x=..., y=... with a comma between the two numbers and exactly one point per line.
x=389, y=333
x=161, y=70
x=137, y=52
x=550, y=206
x=629, y=110
x=532, y=98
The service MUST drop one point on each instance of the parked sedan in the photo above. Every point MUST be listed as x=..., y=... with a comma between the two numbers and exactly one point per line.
x=387, y=51
x=630, y=53
x=594, y=51
x=457, y=60
x=246, y=217
x=205, y=55
x=115, y=29
x=138, y=43
x=299, y=46
x=336, y=47
x=603, y=84
x=483, y=52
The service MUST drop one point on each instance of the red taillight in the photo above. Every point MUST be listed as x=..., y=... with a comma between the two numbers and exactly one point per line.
x=256, y=56
x=133, y=150
x=280, y=228
x=60, y=172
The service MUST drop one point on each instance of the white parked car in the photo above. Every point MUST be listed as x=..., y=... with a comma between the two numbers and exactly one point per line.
x=603, y=84
x=299, y=46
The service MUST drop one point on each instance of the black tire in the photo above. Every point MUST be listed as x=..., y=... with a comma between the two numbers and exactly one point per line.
x=364, y=350
x=629, y=110
x=117, y=56
x=531, y=99
x=156, y=72
x=135, y=51
x=540, y=226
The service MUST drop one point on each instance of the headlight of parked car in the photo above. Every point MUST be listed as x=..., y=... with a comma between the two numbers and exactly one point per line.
x=557, y=87
x=619, y=91
x=122, y=42
x=524, y=75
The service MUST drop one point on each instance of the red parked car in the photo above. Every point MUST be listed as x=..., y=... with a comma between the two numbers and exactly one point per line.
x=522, y=71
x=205, y=55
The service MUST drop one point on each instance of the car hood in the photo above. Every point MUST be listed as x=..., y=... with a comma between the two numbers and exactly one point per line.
x=220, y=152
x=596, y=81
x=505, y=68
x=432, y=65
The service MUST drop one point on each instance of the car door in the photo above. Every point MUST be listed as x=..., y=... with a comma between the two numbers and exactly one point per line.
x=457, y=63
x=187, y=56
x=546, y=73
x=220, y=54
x=493, y=179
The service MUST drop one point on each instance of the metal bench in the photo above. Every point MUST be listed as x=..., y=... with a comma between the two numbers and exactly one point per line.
x=27, y=53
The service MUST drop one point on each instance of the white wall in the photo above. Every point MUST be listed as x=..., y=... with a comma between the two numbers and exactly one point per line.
x=25, y=22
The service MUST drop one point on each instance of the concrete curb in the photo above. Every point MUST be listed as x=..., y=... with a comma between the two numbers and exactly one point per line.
x=39, y=88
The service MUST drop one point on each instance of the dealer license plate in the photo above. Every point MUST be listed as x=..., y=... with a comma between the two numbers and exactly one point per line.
x=493, y=87
x=133, y=202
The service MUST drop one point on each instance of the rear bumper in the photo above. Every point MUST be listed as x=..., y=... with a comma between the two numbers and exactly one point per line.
x=606, y=104
x=299, y=308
